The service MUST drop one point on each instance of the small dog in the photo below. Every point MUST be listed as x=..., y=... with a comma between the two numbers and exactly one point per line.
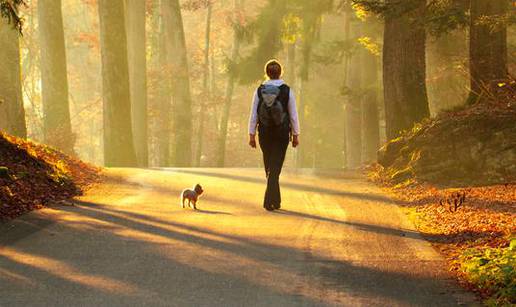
x=192, y=196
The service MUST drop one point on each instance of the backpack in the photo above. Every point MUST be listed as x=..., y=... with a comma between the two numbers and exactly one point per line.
x=273, y=105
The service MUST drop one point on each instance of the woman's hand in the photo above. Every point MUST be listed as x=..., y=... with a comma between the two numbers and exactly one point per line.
x=295, y=141
x=252, y=140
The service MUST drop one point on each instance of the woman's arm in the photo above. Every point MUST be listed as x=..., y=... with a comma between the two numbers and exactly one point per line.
x=292, y=111
x=294, y=118
x=253, y=120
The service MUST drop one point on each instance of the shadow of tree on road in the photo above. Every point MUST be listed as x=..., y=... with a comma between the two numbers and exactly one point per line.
x=294, y=186
x=338, y=276
x=418, y=235
x=113, y=227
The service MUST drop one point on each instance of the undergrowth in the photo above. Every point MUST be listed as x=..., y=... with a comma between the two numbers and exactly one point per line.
x=493, y=271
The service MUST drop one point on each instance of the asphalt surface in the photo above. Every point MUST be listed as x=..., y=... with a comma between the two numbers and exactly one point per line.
x=338, y=241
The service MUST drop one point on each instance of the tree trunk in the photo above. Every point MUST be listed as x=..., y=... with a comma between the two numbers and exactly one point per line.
x=370, y=117
x=291, y=79
x=304, y=76
x=164, y=102
x=353, y=114
x=347, y=37
x=230, y=85
x=291, y=64
x=301, y=150
x=54, y=83
x=118, y=136
x=12, y=113
x=446, y=85
x=488, y=48
x=205, y=85
x=404, y=73
x=136, y=51
x=182, y=101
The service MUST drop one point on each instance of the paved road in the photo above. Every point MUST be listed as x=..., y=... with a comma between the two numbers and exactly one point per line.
x=338, y=241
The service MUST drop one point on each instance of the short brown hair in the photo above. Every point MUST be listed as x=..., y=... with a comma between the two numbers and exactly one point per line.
x=273, y=69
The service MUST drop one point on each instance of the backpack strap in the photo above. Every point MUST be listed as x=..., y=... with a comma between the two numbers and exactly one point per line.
x=259, y=92
x=285, y=97
x=260, y=100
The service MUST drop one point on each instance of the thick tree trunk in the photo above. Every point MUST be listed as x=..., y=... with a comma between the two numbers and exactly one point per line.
x=136, y=41
x=205, y=85
x=370, y=117
x=54, y=83
x=404, y=73
x=118, y=137
x=230, y=85
x=12, y=113
x=488, y=48
x=182, y=101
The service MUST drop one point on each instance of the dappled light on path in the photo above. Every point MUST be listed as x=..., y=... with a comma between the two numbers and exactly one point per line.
x=67, y=272
x=129, y=242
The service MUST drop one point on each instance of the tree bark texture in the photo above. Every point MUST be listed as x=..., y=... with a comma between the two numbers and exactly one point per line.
x=54, y=82
x=181, y=97
x=118, y=137
x=12, y=113
x=136, y=51
x=404, y=75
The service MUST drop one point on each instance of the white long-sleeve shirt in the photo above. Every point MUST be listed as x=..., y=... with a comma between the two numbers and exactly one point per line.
x=292, y=109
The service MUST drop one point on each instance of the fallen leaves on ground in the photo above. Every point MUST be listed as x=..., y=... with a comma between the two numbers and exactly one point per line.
x=483, y=225
x=33, y=176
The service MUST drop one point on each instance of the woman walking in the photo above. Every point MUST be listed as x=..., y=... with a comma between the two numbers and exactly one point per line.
x=274, y=115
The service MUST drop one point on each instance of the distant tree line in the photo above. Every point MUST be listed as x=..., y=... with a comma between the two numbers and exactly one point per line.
x=382, y=58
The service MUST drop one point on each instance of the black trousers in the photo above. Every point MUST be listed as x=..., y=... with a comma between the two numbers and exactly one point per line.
x=274, y=144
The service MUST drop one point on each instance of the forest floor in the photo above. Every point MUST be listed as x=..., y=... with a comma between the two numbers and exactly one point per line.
x=478, y=238
x=33, y=176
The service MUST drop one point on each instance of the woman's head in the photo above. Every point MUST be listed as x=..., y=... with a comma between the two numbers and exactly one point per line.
x=273, y=69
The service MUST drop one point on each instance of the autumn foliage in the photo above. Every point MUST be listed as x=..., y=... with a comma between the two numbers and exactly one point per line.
x=33, y=176
x=476, y=236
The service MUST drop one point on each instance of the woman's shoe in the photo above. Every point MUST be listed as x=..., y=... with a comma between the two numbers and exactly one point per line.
x=268, y=208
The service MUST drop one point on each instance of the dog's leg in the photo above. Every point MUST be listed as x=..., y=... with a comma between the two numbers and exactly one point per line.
x=183, y=201
x=195, y=205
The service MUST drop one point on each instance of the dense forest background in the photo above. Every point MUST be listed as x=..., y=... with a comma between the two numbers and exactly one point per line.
x=170, y=83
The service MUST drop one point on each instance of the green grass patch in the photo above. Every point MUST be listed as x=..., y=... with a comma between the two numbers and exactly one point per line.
x=492, y=271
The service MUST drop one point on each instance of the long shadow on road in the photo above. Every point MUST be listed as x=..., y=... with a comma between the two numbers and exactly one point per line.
x=443, y=238
x=290, y=185
x=338, y=275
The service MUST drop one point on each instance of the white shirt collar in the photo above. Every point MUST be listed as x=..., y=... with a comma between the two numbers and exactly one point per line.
x=275, y=82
